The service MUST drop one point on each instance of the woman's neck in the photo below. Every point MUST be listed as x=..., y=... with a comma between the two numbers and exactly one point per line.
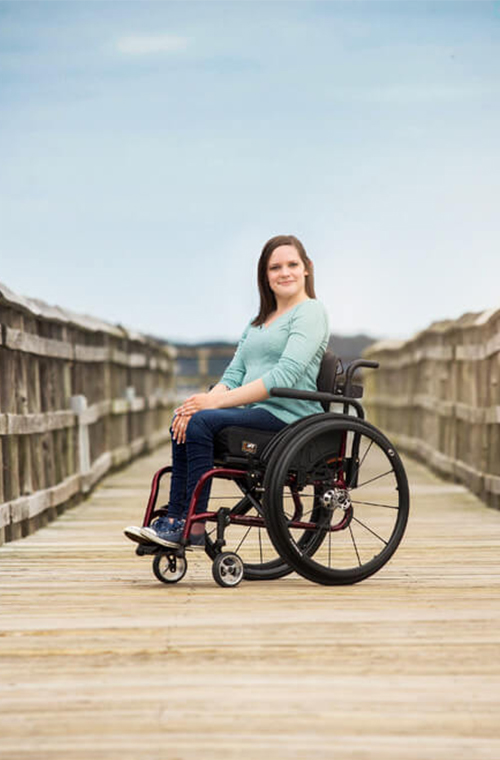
x=284, y=304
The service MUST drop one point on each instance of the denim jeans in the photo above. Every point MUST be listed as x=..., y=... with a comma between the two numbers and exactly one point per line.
x=196, y=456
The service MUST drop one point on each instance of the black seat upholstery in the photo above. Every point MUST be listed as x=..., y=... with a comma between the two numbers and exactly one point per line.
x=327, y=375
x=237, y=446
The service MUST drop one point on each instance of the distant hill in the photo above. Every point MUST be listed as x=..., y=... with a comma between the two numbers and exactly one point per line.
x=349, y=347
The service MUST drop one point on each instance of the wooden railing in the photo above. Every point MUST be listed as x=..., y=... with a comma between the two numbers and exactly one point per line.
x=77, y=397
x=198, y=367
x=437, y=396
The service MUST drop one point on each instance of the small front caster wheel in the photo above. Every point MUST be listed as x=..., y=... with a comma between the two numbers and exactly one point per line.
x=169, y=568
x=227, y=569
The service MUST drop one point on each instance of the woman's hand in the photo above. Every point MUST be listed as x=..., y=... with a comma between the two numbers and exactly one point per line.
x=184, y=413
x=198, y=402
x=179, y=425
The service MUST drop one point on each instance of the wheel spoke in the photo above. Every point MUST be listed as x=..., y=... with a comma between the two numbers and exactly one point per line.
x=355, y=545
x=372, y=480
x=243, y=539
x=374, y=504
x=360, y=522
x=359, y=465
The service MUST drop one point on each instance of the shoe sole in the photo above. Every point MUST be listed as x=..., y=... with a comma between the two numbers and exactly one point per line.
x=150, y=535
x=139, y=538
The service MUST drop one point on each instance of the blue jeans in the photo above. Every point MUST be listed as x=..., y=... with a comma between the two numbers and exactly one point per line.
x=195, y=457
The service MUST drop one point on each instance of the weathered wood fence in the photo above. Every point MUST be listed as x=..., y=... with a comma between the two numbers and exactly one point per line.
x=77, y=397
x=198, y=367
x=437, y=396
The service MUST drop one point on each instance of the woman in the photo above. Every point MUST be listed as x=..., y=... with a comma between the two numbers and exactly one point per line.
x=282, y=347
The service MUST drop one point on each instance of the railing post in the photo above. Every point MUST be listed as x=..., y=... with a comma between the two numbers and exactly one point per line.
x=79, y=407
x=203, y=357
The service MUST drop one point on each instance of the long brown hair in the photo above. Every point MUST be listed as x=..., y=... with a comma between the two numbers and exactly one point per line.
x=267, y=297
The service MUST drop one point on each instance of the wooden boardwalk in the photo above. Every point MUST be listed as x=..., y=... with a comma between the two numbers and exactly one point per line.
x=100, y=660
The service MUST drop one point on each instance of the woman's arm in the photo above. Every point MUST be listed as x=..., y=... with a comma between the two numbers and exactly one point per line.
x=245, y=394
x=219, y=388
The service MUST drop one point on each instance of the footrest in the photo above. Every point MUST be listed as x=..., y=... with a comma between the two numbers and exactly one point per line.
x=143, y=549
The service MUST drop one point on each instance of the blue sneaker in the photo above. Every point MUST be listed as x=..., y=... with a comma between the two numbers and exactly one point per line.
x=167, y=533
x=135, y=532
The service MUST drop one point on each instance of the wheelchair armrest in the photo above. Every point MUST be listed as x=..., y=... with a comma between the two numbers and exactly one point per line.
x=321, y=396
x=305, y=395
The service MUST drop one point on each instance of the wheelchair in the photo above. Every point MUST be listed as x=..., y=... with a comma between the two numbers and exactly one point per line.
x=326, y=497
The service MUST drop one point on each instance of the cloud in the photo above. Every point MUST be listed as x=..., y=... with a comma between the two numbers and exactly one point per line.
x=146, y=45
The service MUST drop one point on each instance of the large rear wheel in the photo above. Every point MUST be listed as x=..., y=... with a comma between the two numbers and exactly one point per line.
x=354, y=491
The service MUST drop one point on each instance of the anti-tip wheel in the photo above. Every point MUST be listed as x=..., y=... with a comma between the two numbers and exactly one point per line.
x=227, y=569
x=169, y=568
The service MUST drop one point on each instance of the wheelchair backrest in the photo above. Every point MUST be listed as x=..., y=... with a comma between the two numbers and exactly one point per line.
x=328, y=370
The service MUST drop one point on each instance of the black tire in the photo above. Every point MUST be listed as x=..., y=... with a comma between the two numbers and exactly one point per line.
x=228, y=569
x=168, y=567
x=257, y=541
x=253, y=540
x=358, y=531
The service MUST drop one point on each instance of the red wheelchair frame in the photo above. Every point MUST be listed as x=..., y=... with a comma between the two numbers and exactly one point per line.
x=342, y=462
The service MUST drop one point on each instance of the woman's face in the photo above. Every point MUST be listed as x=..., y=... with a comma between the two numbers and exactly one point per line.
x=286, y=272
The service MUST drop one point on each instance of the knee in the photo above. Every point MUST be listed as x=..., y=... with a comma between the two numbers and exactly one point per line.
x=197, y=428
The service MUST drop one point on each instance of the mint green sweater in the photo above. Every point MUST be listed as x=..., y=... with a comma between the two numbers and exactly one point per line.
x=287, y=354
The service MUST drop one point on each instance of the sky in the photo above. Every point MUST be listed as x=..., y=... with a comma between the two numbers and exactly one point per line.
x=149, y=149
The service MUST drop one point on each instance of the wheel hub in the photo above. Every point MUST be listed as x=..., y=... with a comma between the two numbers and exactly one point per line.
x=336, y=498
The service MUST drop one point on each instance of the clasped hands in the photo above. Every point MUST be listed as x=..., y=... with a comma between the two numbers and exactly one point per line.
x=185, y=411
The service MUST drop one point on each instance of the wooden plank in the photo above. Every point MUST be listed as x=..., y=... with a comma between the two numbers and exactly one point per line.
x=8, y=402
x=137, y=360
x=91, y=353
x=35, y=405
x=98, y=469
x=445, y=408
x=27, y=507
x=62, y=492
x=120, y=406
x=158, y=437
x=28, y=424
x=4, y=516
x=121, y=455
x=99, y=659
x=55, y=314
x=96, y=412
x=2, y=495
x=18, y=340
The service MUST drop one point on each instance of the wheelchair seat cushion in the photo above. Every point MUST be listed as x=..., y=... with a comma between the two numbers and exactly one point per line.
x=240, y=445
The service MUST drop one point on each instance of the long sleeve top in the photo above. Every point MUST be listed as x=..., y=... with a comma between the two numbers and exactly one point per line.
x=286, y=354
